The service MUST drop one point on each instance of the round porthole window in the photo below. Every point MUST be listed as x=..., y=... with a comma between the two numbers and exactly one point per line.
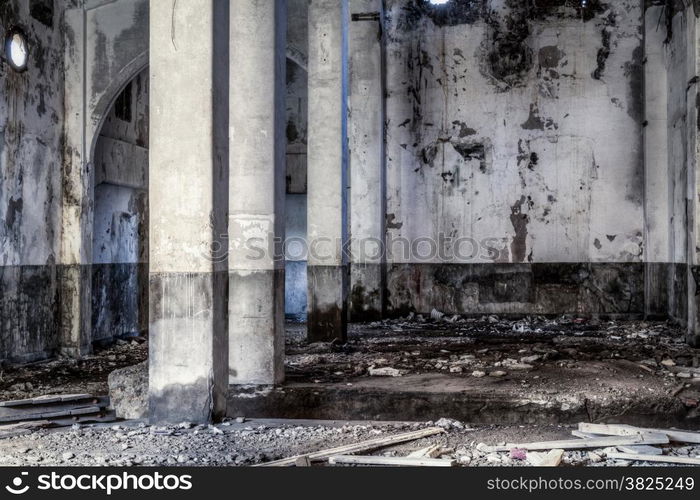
x=16, y=49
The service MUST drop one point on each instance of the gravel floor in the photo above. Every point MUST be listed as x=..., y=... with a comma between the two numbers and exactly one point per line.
x=254, y=442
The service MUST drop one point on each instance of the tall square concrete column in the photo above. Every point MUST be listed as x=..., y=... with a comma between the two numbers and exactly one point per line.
x=257, y=191
x=188, y=377
x=367, y=180
x=327, y=170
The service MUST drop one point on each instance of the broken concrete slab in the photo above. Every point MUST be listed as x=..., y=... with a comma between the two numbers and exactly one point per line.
x=128, y=391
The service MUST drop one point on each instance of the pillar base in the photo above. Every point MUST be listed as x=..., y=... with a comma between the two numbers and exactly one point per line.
x=188, y=362
x=327, y=313
x=75, y=310
x=366, y=294
x=256, y=327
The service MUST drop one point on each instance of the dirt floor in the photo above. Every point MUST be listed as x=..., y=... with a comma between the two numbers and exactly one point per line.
x=562, y=360
x=71, y=376
x=571, y=366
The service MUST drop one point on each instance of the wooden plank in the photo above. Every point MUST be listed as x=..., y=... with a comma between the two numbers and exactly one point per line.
x=577, y=444
x=643, y=449
x=35, y=424
x=45, y=400
x=628, y=430
x=400, y=461
x=585, y=435
x=371, y=444
x=655, y=458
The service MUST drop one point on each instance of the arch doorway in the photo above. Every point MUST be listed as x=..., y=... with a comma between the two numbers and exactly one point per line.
x=120, y=227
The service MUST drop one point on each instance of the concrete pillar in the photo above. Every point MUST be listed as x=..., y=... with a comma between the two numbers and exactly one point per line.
x=75, y=271
x=189, y=42
x=366, y=144
x=693, y=193
x=327, y=170
x=657, y=245
x=257, y=191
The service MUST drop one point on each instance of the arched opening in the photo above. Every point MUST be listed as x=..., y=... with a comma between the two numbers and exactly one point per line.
x=120, y=197
x=120, y=226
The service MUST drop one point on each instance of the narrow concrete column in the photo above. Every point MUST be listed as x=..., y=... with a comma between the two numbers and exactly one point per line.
x=657, y=245
x=189, y=42
x=327, y=170
x=367, y=183
x=75, y=271
x=693, y=193
x=257, y=191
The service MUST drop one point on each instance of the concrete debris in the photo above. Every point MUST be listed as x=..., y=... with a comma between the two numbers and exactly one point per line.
x=448, y=424
x=384, y=371
x=551, y=458
x=432, y=451
x=128, y=390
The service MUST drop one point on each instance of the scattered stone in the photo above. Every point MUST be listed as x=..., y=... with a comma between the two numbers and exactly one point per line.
x=478, y=374
x=498, y=373
x=668, y=362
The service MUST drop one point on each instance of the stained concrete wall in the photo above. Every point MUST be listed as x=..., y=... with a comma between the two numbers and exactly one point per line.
x=516, y=126
x=31, y=114
x=120, y=237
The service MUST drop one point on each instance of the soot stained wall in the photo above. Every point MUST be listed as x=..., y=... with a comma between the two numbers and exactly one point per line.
x=516, y=126
x=31, y=115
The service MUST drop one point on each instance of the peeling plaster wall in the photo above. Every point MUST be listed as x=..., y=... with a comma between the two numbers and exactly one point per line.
x=31, y=114
x=517, y=125
x=120, y=239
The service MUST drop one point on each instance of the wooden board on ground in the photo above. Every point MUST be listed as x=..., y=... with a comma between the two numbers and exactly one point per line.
x=75, y=406
x=655, y=458
x=48, y=399
x=629, y=430
x=577, y=444
x=390, y=461
x=643, y=449
x=371, y=444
